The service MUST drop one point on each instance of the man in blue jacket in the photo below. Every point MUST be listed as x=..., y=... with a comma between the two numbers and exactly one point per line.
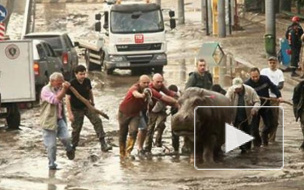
x=262, y=84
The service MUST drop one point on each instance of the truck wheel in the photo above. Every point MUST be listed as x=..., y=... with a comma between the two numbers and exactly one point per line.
x=106, y=70
x=135, y=71
x=14, y=117
x=110, y=71
x=158, y=69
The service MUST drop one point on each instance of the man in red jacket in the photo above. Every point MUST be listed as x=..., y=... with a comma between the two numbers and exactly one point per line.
x=134, y=102
x=157, y=116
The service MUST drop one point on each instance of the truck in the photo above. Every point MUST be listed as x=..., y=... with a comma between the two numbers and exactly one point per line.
x=131, y=36
x=17, y=79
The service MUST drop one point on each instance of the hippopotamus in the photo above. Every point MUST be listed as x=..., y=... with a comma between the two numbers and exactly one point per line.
x=210, y=122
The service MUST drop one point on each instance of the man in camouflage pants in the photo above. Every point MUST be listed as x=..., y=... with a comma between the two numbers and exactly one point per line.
x=77, y=109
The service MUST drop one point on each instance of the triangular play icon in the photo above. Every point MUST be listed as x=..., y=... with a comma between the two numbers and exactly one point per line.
x=235, y=138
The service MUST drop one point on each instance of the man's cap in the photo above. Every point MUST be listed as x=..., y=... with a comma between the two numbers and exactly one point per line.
x=272, y=58
x=237, y=82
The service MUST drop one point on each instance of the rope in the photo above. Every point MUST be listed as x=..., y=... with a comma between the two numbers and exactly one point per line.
x=240, y=124
x=276, y=99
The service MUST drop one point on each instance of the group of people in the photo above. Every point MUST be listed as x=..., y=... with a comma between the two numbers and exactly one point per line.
x=143, y=99
x=143, y=109
x=262, y=89
x=53, y=119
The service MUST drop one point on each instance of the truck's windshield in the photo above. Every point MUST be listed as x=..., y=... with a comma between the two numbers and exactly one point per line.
x=130, y=22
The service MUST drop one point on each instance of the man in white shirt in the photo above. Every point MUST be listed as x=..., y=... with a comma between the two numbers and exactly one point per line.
x=276, y=76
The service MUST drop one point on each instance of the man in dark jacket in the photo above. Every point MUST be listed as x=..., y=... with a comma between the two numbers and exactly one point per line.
x=200, y=78
x=294, y=20
x=262, y=84
x=295, y=32
x=298, y=105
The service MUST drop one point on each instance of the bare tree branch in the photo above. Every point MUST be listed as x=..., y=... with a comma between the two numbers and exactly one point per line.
x=87, y=103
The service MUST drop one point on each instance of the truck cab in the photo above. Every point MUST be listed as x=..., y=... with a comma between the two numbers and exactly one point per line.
x=132, y=36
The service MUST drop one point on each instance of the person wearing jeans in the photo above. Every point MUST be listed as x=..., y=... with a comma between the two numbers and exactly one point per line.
x=52, y=118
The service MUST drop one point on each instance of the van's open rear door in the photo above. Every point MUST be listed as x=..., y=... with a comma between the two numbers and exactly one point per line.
x=17, y=80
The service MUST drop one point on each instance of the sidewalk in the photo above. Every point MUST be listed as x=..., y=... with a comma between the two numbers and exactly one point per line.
x=248, y=45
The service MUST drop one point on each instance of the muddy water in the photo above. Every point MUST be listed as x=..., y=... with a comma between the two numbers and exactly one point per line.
x=91, y=169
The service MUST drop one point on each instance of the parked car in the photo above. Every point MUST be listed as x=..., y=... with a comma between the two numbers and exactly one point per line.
x=46, y=62
x=63, y=46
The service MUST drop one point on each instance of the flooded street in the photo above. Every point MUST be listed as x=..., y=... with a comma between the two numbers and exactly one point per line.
x=26, y=165
x=23, y=159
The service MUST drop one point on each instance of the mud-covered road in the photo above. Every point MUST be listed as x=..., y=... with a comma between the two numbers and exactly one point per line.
x=23, y=161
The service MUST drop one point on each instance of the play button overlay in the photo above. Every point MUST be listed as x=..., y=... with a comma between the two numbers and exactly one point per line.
x=234, y=138
x=217, y=139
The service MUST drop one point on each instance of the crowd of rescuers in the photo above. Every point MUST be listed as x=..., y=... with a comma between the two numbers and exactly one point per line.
x=142, y=112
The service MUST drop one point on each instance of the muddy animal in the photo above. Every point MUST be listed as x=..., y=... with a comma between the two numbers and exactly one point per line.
x=210, y=122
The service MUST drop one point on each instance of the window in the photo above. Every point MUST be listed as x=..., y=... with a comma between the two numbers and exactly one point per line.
x=40, y=51
x=130, y=22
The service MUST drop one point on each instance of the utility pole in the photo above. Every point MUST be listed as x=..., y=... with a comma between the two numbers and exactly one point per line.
x=203, y=11
x=209, y=16
x=205, y=17
x=181, y=12
x=230, y=17
x=221, y=19
x=270, y=37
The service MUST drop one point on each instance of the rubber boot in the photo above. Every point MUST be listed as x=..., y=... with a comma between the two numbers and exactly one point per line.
x=122, y=150
x=104, y=146
x=130, y=145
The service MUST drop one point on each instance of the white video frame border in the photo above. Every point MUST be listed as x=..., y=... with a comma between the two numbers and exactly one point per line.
x=198, y=107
